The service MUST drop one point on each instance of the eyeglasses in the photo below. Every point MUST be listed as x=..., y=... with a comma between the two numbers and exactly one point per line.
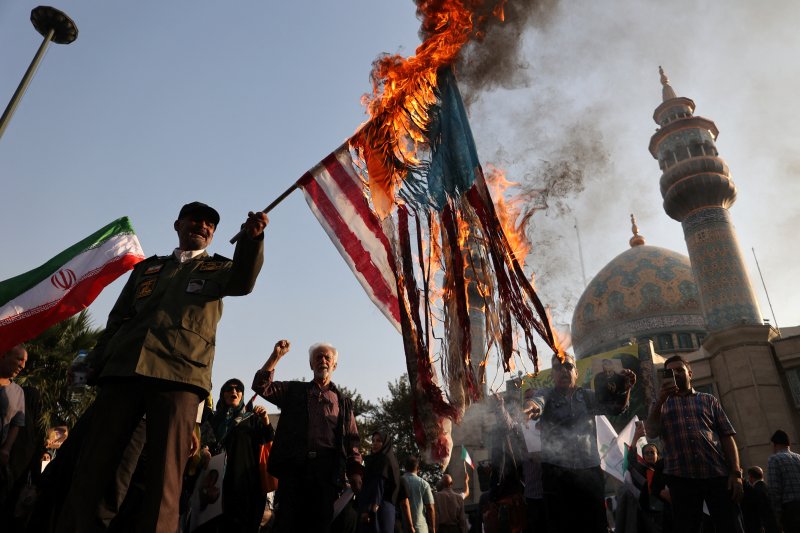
x=231, y=388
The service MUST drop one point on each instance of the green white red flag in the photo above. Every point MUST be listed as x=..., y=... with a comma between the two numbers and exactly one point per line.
x=67, y=283
x=466, y=457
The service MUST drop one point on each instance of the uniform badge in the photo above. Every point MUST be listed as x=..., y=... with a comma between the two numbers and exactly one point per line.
x=195, y=286
x=210, y=266
x=153, y=269
x=145, y=288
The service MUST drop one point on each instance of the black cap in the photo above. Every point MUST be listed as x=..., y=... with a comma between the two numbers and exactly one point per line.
x=780, y=437
x=200, y=209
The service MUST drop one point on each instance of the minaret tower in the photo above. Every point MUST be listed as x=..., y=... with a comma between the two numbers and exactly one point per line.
x=698, y=190
x=737, y=356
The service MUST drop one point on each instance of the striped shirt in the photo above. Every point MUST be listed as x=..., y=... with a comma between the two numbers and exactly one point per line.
x=691, y=427
x=783, y=475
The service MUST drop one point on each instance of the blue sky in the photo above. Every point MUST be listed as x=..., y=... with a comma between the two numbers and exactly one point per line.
x=161, y=103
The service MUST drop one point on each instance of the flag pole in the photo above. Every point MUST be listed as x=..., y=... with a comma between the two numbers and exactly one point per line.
x=269, y=208
x=287, y=192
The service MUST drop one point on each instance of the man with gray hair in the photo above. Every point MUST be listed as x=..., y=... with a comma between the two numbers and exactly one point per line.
x=316, y=443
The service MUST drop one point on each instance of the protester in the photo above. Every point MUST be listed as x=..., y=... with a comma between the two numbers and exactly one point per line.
x=783, y=474
x=12, y=413
x=505, y=509
x=25, y=463
x=240, y=432
x=449, y=505
x=701, y=462
x=378, y=498
x=645, y=476
x=154, y=359
x=570, y=460
x=756, y=508
x=420, y=498
x=316, y=443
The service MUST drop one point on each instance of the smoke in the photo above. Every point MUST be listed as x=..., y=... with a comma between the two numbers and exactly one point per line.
x=496, y=58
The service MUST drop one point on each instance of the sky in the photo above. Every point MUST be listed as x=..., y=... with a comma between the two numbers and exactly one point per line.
x=160, y=103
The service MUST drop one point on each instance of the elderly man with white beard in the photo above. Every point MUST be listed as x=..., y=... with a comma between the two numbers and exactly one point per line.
x=316, y=444
x=571, y=474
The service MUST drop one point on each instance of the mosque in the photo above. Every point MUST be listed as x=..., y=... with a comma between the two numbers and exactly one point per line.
x=702, y=306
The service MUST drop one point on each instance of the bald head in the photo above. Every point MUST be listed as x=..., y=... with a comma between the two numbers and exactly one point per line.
x=13, y=362
x=446, y=482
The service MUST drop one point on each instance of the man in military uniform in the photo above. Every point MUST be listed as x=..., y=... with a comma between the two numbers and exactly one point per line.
x=154, y=360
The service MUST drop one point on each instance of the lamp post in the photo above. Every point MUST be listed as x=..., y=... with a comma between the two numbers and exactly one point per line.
x=53, y=25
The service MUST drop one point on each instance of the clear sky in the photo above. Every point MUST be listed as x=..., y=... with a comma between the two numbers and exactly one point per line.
x=161, y=103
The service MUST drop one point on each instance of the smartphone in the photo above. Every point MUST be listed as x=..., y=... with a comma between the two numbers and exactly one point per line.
x=667, y=377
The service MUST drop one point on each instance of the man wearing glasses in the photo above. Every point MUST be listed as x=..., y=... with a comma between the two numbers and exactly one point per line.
x=570, y=460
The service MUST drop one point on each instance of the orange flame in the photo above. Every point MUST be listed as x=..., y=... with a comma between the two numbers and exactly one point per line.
x=509, y=212
x=404, y=90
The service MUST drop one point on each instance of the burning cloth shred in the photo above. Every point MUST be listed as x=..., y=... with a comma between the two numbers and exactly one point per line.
x=405, y=202
x=440, y=254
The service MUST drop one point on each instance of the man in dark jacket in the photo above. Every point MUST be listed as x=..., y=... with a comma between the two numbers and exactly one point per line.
x=154, y=360
x=756, y=509
x=315, y=444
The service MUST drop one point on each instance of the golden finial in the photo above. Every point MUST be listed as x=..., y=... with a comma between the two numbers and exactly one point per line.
x=667, y=92
x=636, y=240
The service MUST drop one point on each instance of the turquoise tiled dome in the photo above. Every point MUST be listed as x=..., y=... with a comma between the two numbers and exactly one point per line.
x=643, y=291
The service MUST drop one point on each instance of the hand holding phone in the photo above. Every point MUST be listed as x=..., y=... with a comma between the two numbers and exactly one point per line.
x=668, y=378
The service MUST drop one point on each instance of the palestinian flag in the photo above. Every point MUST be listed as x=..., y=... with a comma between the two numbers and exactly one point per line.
x=466, y=458
x=66, y=284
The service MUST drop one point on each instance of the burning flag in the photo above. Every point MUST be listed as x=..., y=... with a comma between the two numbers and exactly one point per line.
x=438, y=256
x=405, y=202
x=67, y=283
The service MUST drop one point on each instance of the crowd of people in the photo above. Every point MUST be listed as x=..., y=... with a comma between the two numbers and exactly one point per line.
x=150, y=454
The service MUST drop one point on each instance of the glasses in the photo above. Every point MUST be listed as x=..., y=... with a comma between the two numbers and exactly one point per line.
x=231, y=388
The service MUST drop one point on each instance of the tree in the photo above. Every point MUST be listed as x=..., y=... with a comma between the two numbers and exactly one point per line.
x=49, y=357
x=394, y=415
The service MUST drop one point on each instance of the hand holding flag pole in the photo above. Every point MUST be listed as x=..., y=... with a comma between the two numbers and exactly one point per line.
x=267, y=209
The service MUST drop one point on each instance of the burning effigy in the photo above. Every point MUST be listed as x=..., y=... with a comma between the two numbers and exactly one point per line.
x=406, y=203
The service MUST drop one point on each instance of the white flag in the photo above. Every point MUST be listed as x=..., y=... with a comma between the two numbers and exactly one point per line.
x=612, y=446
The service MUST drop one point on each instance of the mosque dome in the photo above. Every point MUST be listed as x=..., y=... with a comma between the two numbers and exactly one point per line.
x=644, y=292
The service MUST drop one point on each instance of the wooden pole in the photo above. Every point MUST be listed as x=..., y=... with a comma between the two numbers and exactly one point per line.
x=267, y=209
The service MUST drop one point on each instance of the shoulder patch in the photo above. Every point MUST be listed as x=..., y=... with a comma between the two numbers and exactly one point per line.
x=145, y=288
x=153, y=269
x=210, y=266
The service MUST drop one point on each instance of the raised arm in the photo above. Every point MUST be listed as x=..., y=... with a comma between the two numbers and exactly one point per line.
x=263, y=383
x=248, y=256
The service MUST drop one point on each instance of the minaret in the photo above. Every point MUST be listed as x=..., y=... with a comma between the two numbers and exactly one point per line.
x=698, y=190
x=737, y=357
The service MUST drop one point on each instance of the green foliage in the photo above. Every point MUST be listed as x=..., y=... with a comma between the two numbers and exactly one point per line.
x=49, y=357
x=393, y=414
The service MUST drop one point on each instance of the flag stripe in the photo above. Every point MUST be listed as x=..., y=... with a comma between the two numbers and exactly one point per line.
x=340, y=168
x=334, y=195
x=15, y=286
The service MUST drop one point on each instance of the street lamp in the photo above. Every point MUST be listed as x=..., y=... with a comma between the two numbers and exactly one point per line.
x=53, y=25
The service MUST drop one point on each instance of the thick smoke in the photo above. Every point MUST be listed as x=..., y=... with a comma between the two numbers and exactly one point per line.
x=497, y=58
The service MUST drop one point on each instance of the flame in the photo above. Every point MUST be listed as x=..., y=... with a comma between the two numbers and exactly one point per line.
x=509, y=212
x=558, y=340
x=403, y=91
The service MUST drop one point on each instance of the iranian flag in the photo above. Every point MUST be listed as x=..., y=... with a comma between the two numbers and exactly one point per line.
x=466, y=458
x=67, y=283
